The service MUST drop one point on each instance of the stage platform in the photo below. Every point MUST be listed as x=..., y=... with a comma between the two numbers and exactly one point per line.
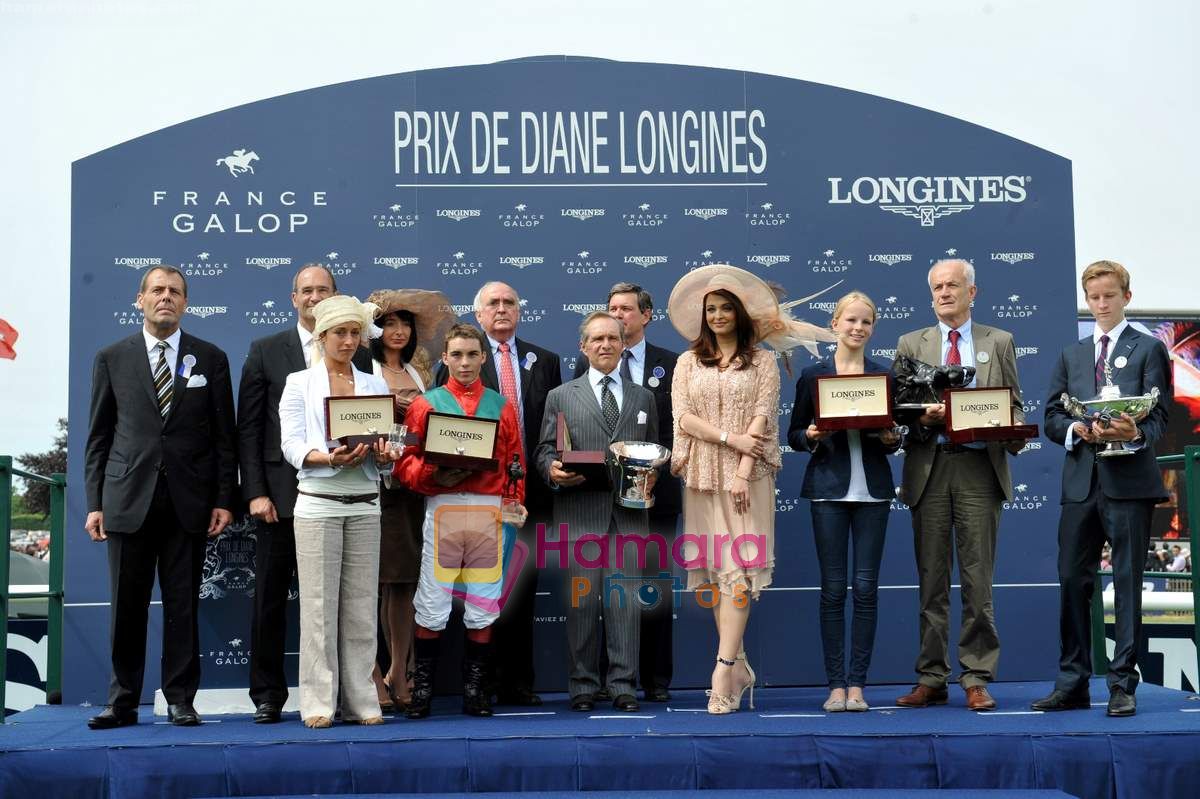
x=786, y=744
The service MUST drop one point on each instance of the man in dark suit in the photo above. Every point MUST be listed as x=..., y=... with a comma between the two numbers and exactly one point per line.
x=524, y=374
x=1105, y=498
x=956, y=492
x=600, y=407
x=269, y=483
x=160, y=471
x=653, y=368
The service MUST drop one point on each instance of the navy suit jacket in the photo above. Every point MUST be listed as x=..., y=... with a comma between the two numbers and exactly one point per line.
x=1124, y=477
x=827, y=475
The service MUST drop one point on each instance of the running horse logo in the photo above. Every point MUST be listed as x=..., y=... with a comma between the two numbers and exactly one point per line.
x=239, y=162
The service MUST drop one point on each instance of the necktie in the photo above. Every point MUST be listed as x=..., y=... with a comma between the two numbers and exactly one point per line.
x=508, y=387
x=952, y=356
x=608, y=404
x=1101, y=361
x=162, y=380
x=625, y=373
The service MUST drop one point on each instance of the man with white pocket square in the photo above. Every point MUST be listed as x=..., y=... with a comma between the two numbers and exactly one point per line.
x=160, y=473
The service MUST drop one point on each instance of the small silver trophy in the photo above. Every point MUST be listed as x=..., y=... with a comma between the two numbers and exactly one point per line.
x=636, y=460
x=1109, y=403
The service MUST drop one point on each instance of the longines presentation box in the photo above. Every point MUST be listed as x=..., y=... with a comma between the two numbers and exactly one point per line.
x=853, y=402
x=461, y=442
x=591, y=464
x=359, y=420
x=983, y=414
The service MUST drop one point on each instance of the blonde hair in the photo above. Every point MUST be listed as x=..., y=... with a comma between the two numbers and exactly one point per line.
x=853, y=296
x=1103, y=268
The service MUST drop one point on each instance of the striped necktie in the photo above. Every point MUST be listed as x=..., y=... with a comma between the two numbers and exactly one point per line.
x=1101, y=362
x=162, y=380
x=608, y=404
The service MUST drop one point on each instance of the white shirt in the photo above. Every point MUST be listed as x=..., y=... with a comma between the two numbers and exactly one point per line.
x=637, y=362
x=306, y=340
x=594, y=378
x=172, y=349
x=857, y=490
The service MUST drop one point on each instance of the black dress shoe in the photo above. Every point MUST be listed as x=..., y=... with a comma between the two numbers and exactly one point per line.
x=583, y=703
x=603, y=695
x=267, y=713
x=183, y=715
x=111, y=717
x=522, y=697
x=658, y=695
x=626, y=702
x=1121, y=703
x=1061, y=700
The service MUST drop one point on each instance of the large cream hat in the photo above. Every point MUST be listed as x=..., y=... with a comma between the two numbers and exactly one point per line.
x=773, y=322
x=339, y=310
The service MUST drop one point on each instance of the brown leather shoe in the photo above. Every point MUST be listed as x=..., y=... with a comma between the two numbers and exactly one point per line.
x=978, y=698
x=923, y=696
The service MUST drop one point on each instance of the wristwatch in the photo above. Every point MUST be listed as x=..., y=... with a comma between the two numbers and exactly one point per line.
x=724, y=436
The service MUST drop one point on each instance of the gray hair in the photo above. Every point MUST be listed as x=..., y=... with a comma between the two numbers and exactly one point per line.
x=644, y=300
x=477, y=304
x=968, y=269
x=593, y=316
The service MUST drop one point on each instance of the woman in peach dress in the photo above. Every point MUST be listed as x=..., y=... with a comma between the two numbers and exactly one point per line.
x=725, y=399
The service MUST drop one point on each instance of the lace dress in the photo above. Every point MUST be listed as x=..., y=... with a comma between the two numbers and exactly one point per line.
x=721, y=546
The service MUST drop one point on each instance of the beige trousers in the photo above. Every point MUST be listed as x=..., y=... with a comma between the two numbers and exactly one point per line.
x=337, y=562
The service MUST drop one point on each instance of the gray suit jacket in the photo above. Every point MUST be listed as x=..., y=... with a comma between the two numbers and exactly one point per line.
x=999, y=370
x=587, y=510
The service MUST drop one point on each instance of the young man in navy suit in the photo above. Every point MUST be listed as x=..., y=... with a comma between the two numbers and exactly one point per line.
x=1105, y=498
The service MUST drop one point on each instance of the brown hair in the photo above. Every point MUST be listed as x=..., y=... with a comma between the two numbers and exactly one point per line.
x=1103, y=268
x=170, y=270
x=463, y=330
x=705, y=345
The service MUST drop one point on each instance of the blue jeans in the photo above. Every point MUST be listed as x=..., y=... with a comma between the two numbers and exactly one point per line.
x=833, y=525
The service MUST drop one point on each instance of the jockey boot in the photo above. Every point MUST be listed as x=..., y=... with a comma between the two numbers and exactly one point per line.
x=425, y=656
x=476, y=701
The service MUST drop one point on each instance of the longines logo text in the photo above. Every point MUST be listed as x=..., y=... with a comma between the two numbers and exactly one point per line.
x=645, y=261
x=582, y=214
x=584, y=308
x=137, y=263
x=769, y=260
x=929, y=198
x=205, y=311
x=889, y=258
x=458, y=214
x=522, y=261
x=290, y=211
x=268, y=263
x=1023, y=351
x=1012, y=257
x=397, y=261
x=706, y=213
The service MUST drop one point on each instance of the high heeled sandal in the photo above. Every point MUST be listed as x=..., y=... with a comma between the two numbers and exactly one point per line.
x=753, y=679
x=722, y=704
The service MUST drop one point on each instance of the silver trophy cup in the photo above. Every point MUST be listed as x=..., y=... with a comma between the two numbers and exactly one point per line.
x=1101, y=410
x=635, y=461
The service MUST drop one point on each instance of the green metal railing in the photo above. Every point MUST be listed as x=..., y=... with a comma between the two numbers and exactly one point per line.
x=1191, y=480
x=54, y=609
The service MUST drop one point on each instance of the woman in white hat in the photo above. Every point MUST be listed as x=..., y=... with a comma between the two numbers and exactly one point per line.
x=725, y=398
x=410, y=322
x=337, y=522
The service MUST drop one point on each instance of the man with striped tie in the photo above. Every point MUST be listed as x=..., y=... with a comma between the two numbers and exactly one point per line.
x=160, y=472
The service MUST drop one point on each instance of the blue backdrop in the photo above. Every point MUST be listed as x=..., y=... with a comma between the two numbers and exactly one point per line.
x=562, y=176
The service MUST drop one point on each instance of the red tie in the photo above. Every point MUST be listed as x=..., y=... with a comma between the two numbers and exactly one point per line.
x=952, y=356
x=508, y=386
